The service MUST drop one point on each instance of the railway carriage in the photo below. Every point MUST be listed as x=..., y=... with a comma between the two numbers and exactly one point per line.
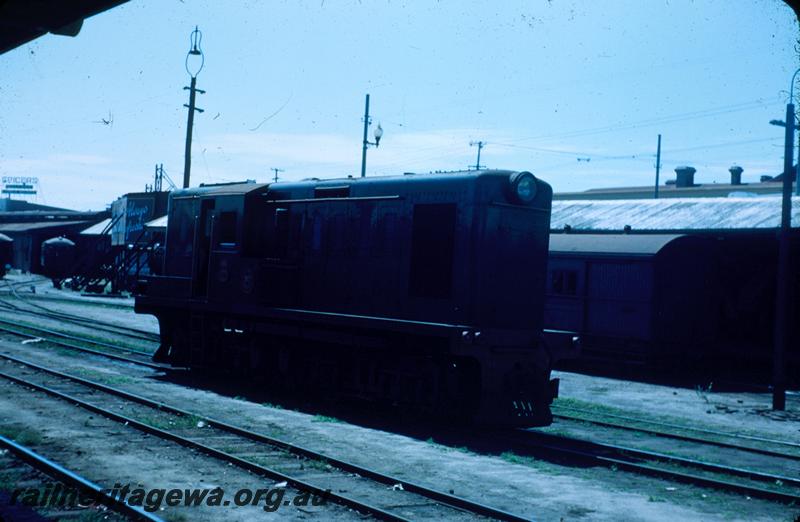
x=423, y=291
x=58, y=259
x=655, y=304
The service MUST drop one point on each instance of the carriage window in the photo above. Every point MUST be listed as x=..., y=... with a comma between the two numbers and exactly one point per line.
x=227, y=229
x=432, y=249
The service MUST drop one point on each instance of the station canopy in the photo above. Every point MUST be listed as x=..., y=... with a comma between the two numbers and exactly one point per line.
x=98, y=229
x=24, y=20
x=157, y=223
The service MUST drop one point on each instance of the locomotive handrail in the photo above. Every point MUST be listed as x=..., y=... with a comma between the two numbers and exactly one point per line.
x=323, y=200
x=517, y=206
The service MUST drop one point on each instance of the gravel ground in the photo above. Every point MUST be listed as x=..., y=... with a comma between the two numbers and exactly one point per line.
x=110, y=453
x=746, y=412
x=534, y=488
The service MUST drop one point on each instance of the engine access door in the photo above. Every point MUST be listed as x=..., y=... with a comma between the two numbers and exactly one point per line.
x=202, y=250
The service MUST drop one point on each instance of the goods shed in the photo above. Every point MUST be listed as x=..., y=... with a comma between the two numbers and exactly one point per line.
x=28, y=237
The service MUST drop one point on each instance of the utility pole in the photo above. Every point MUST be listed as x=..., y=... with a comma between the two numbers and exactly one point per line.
x=480, y=145
x=195, y=50
x=366, y=143
x=158, y=178
x=276, y=173
x=658, y=164
x=783, y=302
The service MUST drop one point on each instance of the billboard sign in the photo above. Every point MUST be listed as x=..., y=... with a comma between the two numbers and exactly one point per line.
x=20, y=185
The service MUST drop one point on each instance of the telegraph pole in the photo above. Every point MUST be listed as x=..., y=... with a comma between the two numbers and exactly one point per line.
x=658, y=164
x=158, y=177
x=480, y=145
x=195, y=50
x=782, y=299
x=276, y=173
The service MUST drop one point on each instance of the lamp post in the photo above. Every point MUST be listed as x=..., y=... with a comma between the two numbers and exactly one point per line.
x=782, y=300
x=195, y=53
x=378, y=133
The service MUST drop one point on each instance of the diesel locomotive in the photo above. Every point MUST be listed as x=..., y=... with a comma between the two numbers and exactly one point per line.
x=423, y=291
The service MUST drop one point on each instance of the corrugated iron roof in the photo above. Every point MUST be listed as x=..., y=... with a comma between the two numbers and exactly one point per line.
x=672, y=214
x=97, y=229
x=705, y=190
x=38, y=225
x=157, y=223
x=628, y=244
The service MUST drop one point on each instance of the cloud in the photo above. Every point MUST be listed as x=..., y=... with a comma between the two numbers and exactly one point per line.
x=81, y=159
x=75, y=181
x=53, y=162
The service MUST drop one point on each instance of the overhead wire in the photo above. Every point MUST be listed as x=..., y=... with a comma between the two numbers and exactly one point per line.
x=675, y=118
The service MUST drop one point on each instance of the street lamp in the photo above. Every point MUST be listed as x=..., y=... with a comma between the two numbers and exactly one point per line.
x=782, y=301
x=377, y=133
x=195, y=59
x=195, y=40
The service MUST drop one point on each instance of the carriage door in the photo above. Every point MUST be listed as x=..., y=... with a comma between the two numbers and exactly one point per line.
x=205, y=224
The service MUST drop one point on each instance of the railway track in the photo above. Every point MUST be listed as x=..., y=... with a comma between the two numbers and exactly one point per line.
x=73, y=480
x=674, y=468
x=680, y=432
x=83, y=345
x=399, y=499
x=756, y=484
x=13, y=285
x=38, y=310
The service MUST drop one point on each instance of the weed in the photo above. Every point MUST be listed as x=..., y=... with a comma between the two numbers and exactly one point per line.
x=23, y=436
x=103, y=377
x=171, y=422
x=703, y=391
x=175, y=517
x=510, y=456
x=324, y=418
x=7, y=482
x=320, y=465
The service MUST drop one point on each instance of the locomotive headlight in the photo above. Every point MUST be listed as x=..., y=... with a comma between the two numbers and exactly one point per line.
x=523, y=187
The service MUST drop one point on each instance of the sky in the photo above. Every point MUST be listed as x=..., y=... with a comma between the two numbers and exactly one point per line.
x=574, y=91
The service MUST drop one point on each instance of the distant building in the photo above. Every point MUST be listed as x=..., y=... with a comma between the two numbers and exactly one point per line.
x=683, y=186
x=670, y=215
x=28, y=224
